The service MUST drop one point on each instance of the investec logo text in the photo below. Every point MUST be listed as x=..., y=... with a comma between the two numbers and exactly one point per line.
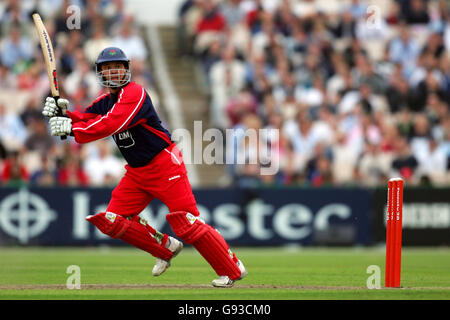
x=292, y=221
x=25, y=215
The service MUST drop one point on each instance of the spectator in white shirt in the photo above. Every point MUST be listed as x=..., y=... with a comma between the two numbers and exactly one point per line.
x=12, y=130
x=15, y=48
x=104, y=168
x=131, y=43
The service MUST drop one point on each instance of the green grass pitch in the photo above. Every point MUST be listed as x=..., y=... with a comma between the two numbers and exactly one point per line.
x=274, y=274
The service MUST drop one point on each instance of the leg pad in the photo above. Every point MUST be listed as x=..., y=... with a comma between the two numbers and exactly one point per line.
x=208, y=242
x=134, y=231
x=110, y=223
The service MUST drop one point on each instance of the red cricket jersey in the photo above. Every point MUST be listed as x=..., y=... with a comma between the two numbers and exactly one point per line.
x=130, y=118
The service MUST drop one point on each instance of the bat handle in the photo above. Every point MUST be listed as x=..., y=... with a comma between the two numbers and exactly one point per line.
x=59, y=113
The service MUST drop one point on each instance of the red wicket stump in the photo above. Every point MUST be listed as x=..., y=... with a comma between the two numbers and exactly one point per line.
x=394, y=218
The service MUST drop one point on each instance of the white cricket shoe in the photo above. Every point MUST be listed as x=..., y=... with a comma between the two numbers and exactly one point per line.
x=161, y=265
x=226, y=282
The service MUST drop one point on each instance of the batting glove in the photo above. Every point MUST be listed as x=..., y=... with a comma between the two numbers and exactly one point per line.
x=60, y=126
x=51, y=109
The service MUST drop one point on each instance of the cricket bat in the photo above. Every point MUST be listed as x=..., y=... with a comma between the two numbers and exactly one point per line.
x=49, y=57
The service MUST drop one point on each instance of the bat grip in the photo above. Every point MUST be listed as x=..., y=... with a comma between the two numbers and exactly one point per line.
x=59, y=113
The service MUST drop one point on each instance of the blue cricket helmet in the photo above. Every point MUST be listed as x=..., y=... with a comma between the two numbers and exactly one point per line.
x=112, y=54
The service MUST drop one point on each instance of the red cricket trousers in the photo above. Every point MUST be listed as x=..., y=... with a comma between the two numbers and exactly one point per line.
x=164, y=178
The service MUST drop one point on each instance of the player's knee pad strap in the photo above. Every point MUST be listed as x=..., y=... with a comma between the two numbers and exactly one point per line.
x=110, y=223
x=186, y=226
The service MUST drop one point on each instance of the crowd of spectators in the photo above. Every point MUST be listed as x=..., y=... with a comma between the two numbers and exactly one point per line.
x=79, y=31
x=358, y=90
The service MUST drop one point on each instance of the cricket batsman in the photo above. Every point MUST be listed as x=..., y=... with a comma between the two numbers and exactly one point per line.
x=155, y=169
